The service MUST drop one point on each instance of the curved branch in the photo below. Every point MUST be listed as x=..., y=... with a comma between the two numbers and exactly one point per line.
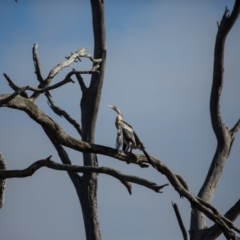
x=14, y=86
x=225, y=26
x=224, y=137
x=125, y=179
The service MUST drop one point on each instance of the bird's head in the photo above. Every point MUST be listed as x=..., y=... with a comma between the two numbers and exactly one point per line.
x=115, y=109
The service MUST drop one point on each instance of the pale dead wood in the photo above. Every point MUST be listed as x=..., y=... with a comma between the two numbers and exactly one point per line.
x=36, y=63
x=74, y=57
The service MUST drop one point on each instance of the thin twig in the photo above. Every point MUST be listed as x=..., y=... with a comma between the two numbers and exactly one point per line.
x=180, y=221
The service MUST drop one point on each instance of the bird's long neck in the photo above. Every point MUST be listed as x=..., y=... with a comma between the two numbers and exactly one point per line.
x=118, y=120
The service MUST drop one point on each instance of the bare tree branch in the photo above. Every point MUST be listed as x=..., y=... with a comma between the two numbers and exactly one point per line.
x=235, y=128
x=21, y=91
x=80, y=53
x=66, y=80
x=125, y=179
x=214, y=232
x=14, y=86
x=224, y=137
x=37, y=64
x=62, y=113
x=76, y=179
x=3, y=182
x=63, y=138
x=180, y=221
x=81, y=82
x=12, y=96
x=204, y=208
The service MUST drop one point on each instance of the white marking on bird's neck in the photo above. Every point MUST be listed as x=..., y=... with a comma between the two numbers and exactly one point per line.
x=118, y=120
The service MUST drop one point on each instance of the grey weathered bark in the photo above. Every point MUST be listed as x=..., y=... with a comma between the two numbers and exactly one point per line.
x=3, y=182
x=89, y=109
x=225, y=137
x=126, y=180
x=59, y=137
x=86, y=185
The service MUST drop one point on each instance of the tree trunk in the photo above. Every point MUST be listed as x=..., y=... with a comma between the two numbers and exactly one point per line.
x=89, y=109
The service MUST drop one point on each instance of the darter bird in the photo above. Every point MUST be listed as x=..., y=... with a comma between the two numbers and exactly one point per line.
x=126, y=136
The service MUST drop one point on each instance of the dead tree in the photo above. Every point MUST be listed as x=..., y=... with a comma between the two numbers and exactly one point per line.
x=86, y=185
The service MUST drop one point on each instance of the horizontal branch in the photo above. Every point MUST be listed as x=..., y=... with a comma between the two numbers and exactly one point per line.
x=21, y=90
x=64, y=139
x=125, y=179
x=66, y=80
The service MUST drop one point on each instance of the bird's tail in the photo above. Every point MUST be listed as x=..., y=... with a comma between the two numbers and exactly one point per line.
x=149, y=158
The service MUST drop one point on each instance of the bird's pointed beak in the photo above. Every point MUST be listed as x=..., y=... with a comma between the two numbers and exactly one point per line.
x=110, y=106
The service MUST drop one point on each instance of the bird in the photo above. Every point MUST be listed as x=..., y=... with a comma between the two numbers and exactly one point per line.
x=126, y=136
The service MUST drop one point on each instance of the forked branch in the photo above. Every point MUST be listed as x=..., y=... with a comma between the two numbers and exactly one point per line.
x=73, y=58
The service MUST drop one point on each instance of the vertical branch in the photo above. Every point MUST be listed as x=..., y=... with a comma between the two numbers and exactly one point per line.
x=89, y=109
x=223, y=135
x=2, y=181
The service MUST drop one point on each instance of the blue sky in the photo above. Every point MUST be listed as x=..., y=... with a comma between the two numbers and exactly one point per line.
x=158, y=72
